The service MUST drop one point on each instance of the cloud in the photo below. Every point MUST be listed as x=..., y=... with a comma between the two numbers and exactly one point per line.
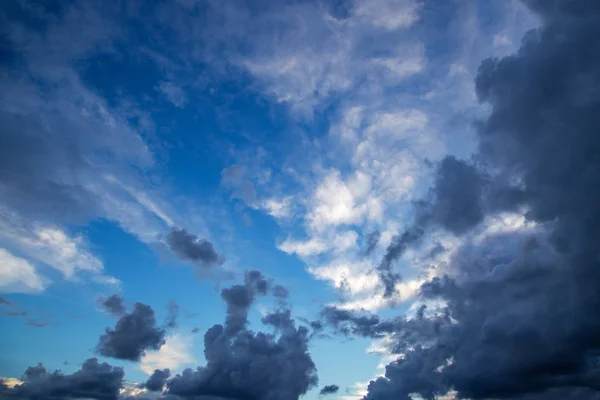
x=389, y=14
x=10, y=313
x=244, y=364
x=157, y=380
x=5, y=302
x=280, y=292
x=173, y=93
x=329, y=389
x=509, y=334
x=335, y=203
x=239, y=298
x=114, y=305
x=308, y=248
x=79, y=140
x=38, y=323
x=278, y=208
x=134, y=333
x=18, y=275
x=394, y=251
x=372, y=241
x=190, y=247
x=172, y=315
x=94, y=380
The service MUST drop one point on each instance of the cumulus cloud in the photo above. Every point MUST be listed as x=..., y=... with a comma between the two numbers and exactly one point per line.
x=244, y=364
x=329, y=389
x=94, y=380
x=134, y=333
x=157, y=380
x=239, y=298
x=114, y=305
x=190, y=247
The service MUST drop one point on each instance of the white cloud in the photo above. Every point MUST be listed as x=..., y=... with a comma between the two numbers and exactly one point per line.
x=338, y=242
x=389, y=14
x=174, y=354
x=356, y=392
x=173, y=93
x=53, y=247
x=278, y=208
x=334, y=204
x=17, y=275
x=132, y=389
x=354, y=276
x=401, y=68
x=315, y=55
x=406, y=291
x=307, y=248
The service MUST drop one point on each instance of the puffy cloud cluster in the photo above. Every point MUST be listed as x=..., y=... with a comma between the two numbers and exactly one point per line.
x=249, y=365
x=240, y=364
x=95, y=380
x=190, y=247
x=114, y=305
x=134, y=333
x=157, y=380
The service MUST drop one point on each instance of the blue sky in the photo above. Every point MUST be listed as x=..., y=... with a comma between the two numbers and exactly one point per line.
x=282, y=132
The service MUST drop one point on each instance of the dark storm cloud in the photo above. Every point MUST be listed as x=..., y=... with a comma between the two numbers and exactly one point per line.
x=157, y=380
x=404, y=332
x=242, y=364
x=394, y=251
x=280, y=319
x=239, y=298
x=256, y=281
x=114, y=305
x=172, y=314
x=524, y=321
x=133, y=334
x=458, y=190
x=94, y=380
x=329, y=389
x=190, y=247
x=251, y=366
x=454, y=204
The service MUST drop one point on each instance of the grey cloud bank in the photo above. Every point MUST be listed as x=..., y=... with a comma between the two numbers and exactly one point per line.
x=524, y=321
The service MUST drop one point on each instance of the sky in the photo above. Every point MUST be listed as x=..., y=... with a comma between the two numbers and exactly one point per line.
x=274, y=200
